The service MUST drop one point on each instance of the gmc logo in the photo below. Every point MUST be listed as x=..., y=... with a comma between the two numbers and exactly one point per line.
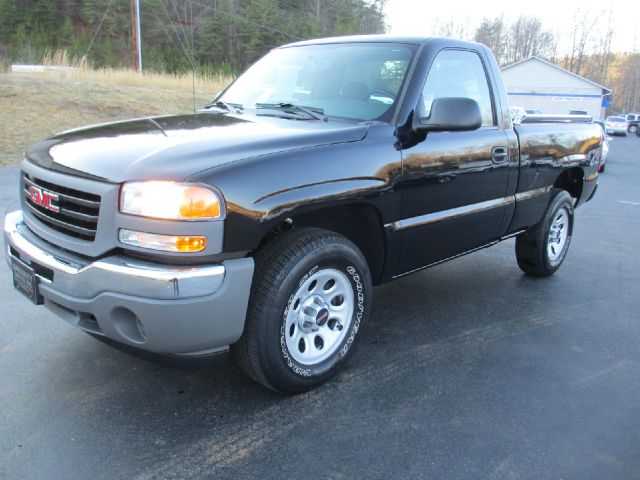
x=43, y=198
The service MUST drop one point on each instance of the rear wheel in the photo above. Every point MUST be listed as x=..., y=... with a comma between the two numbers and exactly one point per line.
x=542, y=249
x=310, y=297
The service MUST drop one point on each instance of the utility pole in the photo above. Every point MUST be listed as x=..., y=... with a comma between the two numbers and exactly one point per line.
x=135, y=29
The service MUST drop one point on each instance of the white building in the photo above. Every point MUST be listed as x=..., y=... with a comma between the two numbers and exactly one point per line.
x=536, y=83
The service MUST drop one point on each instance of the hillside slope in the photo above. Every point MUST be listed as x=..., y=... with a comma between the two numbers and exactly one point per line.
x=35, y=107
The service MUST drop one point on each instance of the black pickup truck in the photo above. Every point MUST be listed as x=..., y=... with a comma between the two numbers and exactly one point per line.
x=261, y=222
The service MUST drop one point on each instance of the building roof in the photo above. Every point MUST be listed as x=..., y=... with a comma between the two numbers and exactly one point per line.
x=606, y=90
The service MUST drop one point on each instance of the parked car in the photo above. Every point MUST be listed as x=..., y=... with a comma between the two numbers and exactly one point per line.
x=577, y=111
x=605, y=145
x=532, y=111
x=632, y=122
x=262, y=221
x=616, y=125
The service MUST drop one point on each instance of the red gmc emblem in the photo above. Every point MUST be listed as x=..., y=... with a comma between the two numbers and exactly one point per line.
x=43, y=198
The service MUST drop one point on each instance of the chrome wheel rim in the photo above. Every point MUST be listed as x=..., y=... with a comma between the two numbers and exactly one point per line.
x=319, y=316
x=558, y=235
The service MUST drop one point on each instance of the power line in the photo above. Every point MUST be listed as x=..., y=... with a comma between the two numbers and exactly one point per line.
x=98, y=29
x=218, y=9
x=193, y=72
x=184, y=32
x=182, y=45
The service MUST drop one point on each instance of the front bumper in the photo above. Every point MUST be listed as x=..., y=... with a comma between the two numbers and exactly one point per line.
x=616, y=130
x=160, y=308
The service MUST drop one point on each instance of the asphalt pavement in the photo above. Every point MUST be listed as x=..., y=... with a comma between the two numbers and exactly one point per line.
x=469, y=370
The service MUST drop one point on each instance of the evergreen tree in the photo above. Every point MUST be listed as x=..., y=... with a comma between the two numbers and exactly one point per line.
x=223, y=35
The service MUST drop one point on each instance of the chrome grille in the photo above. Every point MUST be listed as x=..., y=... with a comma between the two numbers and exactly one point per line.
x=77, y=213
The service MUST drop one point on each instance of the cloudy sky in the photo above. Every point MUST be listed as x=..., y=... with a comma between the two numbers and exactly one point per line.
x=421, y=17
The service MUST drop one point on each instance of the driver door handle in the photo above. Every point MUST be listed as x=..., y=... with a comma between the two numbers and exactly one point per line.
x=499, y=154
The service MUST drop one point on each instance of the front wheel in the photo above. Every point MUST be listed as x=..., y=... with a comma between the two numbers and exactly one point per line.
x=310, y=298
x=633, y=129
x=541, y=250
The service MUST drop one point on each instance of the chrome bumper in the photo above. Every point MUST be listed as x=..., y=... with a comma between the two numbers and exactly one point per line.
x=163, y=308
x=75, y=276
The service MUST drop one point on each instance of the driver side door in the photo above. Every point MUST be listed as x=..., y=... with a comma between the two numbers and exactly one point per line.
x=454, y=183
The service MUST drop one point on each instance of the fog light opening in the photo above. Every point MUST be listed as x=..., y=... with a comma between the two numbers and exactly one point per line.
x=128, y=325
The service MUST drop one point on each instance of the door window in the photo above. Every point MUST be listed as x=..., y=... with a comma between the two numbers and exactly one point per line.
x=459, y=73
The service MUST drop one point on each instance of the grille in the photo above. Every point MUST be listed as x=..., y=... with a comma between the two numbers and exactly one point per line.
x=77, y=213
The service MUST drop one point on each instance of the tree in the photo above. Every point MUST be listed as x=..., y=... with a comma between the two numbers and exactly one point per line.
x=493, y=34
x=177, y=34
x=527, y=37
x=521, y=39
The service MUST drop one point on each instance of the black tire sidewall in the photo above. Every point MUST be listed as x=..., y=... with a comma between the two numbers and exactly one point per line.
x=561, y=200
x=287, y=370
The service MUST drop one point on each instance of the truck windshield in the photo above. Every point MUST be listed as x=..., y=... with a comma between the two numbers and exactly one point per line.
x=357, y=81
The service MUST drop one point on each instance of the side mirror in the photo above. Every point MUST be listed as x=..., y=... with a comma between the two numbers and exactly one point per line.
x=448, y=114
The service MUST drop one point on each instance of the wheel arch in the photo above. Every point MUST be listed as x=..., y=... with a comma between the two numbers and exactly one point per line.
x=360, y=223
x=571, y=180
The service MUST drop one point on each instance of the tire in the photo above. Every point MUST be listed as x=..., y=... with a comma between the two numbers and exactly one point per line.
x=539, y=254
x=633, y=129
x=301, y=328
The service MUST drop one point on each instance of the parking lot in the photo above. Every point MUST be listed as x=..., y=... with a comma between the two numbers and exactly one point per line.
x=466, y=370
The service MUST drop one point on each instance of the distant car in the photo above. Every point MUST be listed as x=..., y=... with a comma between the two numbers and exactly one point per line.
x=517, y=115
x=577, y=111
x=633, y=119
x=605, y=146
x=616, y=126
x=532, y=111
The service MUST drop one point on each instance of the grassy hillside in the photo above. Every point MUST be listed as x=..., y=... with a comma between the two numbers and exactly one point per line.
x=35, y=106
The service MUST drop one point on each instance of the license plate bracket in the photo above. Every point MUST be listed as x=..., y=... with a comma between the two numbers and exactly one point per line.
x=26, y=281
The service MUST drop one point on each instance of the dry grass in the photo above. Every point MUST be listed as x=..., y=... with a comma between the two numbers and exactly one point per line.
x=36, y=106
x=126, y=76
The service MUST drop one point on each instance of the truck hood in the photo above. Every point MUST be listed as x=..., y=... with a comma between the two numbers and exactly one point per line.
x=177, y=147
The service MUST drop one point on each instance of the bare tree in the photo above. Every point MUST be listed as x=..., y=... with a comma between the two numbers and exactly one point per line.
x=581, y=40
x=598, y=64
x=527, y=37
x=451, y=28
x=627, y=85
x=493, y=34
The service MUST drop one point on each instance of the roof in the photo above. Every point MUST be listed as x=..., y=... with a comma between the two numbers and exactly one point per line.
x=379, y=38
x=586, y=80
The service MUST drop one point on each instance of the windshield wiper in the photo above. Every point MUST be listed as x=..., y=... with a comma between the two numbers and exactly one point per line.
x=313, y=112
x=230, y=107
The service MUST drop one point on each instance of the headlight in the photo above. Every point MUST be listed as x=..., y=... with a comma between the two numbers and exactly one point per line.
x=171, y=201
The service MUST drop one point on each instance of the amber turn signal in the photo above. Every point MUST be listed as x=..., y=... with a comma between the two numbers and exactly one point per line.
x=167, y=243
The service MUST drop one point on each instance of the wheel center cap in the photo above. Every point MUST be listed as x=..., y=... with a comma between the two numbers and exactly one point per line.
x=322, y=317
x=313, y=314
